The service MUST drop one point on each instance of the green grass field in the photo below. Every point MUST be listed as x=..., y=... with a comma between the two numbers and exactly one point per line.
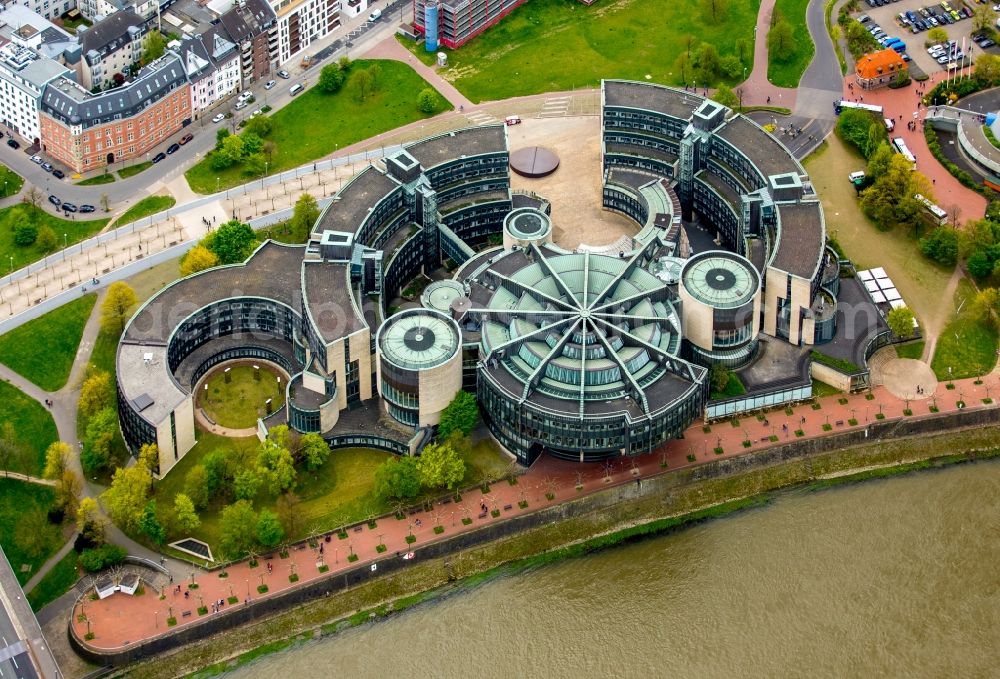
x=821, y=389
x=316, y=124
x=966, y=345
x=787, y=73
x=149, y=205
x=912, y=350
x=10, y=182
x=55, y=583
x=25, y=535
x=553, y=45
x=239, y=402
x=734, y=387
x=59, y=331
x=133, y=170
x=97, y=180
x=67, y=231
x=34, y=428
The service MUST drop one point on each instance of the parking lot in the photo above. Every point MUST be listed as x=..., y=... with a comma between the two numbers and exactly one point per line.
x=887, y=17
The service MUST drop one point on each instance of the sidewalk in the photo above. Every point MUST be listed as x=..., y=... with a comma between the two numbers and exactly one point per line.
x=757, y=89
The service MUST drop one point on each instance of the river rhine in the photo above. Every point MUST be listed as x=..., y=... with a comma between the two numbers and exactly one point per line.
x=894, y=578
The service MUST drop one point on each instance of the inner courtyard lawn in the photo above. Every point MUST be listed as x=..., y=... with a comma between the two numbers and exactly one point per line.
x=33, y=429
x=43, y=350
x=238, y=403
x=316, y=124
x=553, y=45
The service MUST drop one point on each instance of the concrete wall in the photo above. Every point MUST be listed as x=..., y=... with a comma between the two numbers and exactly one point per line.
x=184, y=429
x=438, y=387
x=696, y=320
x=834, y=378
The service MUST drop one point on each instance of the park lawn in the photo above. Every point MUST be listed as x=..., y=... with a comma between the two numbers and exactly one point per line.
x=96, y=180
x=316, y=124
x=485, y=462
x=68, y=231
x=59, y=331
x=238, y=403
x=912, y=350
x=149, y=205
x=10, y=182
x=553, y=45
x=34, y=428
x=56, y=582
x=24, y=503
x=918, y=280
x=133, y=170
x=967, y=345
x=787, y=73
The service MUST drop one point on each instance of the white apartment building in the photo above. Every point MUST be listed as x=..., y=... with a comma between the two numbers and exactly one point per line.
x=212, y=65
x=23, y=75
x=302, y=22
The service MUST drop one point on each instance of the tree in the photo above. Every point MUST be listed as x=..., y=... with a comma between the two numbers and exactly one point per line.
x=105, y=202
x=57, y=457
x=462, y=414
x=880, y=160
x=714, y=11
x=196, y=486
x=363, y=84
x=32, y=197
x=743, y=50
x=220, y=137
x=936, y=35
x=314, y=450
x=255, y=165
x=941, y=246
x=96, y=454
x=706, y=62
x=720, y=378
x=117, y=306
x=375, y=72
x=427, y=101
x=287, y=506
x=237, y=529
x=397, y=479
x=305, y=214
x=901, y=322
x=725, y=96
x=246, y=484
x=275, y=466
x=781, y=41
x=980, y=264
x=983, y=16
x=185, y=517
x=862, y=129
x=219, y=471
x=259, y=126
x=252, y=144
x=331, y=78
x=440, y=466
x=153, y=47
x=96, y=393
x=25, y=233
x=232, y=149
x=269, y=530
x=125, y=500
x=88, y=520
x=232, y=242
x=68, y=487
x=890, y=199
x=731, y=67
x=8, y=446
x=149, y=457
x=198, y=259
x=47, y=241
x=150, y=524
x=988, y=68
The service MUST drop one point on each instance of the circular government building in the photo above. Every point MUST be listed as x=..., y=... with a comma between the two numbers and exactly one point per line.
x=581, y=354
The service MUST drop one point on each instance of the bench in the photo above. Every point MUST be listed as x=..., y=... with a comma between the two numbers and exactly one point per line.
x=358, y=529
x=483, y=515
x=840, y=423
x=446, y=501
x=186, y=614
x=507, y=507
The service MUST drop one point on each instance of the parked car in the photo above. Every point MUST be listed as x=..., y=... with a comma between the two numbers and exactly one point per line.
x=256, y=113
x=186, y=138
x=158, y=157
x=58, y=174
x=13, y=144
x=173, y=148
x=285, y=75
x=269, y=84
x=241, y=104
x=37, y=159
x=47, y=167
x=218, y=117
x=375, y=15
x=986, y=43
x=55, y=201
x=86, y=208
x=864, y=18
x=68, y=207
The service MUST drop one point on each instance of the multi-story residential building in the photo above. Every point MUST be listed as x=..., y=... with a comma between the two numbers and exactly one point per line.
x=23, y=76
x=212, y=65
x=302, y=22
x=457, y=23
x=50, y=9
x=108, y=47
x=95, y=10
x=29, y=29
x=89, y=131
x=253, y=25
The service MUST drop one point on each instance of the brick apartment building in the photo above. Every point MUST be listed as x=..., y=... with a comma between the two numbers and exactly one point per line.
x=88, y=131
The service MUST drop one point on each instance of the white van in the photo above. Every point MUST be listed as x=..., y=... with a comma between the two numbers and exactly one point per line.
x=296, y=88
x=890, y=124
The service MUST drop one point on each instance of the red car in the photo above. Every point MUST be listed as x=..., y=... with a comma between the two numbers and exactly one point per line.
x=186, y=138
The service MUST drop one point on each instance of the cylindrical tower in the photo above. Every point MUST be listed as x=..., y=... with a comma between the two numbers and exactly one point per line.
x=431, y=26
x=526, y=225
x=720, y=296
x=419, y=365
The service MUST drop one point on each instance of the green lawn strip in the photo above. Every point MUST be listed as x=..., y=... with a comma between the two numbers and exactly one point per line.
x=133, y=170
x=821, y=389
x=10, y=182
x=239, y=402
x=552, y=45
x=34, y=428
x=734, y=387
x=967, y=345
x=105, y=178
x=59, y=331
x=67, y=231
x=149, y=205
x=316, y=124
x=25, y=535
x=787, y=73
x=56, y=582
x=910, y=350
x=284, y=232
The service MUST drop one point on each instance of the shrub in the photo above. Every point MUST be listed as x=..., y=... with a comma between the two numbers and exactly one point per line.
x=99, y=558
x=25, y=233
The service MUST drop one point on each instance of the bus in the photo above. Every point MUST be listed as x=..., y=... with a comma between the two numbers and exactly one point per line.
x=841, y=104
x=900, y=145
x=938, y=215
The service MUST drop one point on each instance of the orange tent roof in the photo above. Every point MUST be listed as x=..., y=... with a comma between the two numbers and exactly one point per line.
x=888, y=60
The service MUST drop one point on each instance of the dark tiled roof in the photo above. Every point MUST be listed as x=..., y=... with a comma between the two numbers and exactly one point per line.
x=767, y=153
x=649, y=97
x=272, y=272
x=248, y=21
x=800, y=249
x=108, y=35
x=327, y=296
x=352, y=203
x=471, y=141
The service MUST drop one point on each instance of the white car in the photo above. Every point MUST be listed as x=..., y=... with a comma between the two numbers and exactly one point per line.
x=256, y=113
x=245, y=94
x=219, y=117
x=375, y=15
x=36, y=159
x=269, y=85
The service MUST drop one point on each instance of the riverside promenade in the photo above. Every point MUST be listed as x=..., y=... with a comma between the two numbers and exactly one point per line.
x=122, y=620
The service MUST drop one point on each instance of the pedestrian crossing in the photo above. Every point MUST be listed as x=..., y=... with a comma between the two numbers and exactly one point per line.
x=555, y=106
x=480, y=118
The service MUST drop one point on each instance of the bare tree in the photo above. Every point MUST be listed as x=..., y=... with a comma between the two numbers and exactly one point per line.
x=32, y=197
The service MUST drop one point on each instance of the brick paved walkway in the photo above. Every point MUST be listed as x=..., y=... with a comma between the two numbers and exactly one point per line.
x=120, y=619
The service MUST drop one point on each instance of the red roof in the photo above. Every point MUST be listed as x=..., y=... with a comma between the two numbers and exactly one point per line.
x=881, y=63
